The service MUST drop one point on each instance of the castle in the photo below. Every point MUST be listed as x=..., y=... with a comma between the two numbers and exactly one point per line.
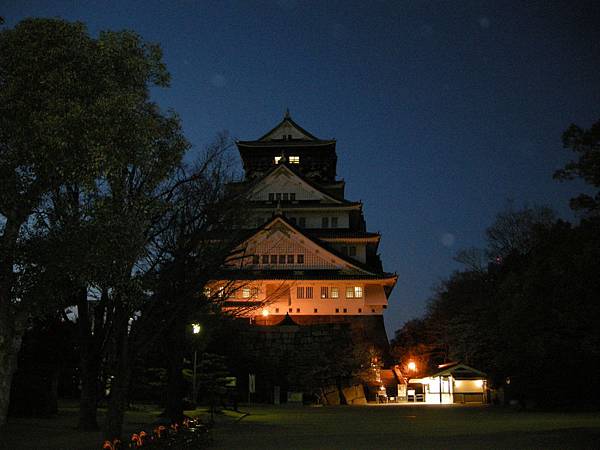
x=308, y=257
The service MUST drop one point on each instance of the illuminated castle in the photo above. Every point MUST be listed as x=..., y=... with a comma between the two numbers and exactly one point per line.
x=308, y=253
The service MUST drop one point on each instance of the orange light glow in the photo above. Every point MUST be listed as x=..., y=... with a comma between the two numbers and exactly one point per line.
x=265, y=312
x=412, y=366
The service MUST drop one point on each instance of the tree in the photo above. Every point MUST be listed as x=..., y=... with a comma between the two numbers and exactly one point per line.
x=516, y=230
x=50, y=88
x=586, y=144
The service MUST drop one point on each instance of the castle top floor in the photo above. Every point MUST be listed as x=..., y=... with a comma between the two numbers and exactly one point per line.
x=288, y=142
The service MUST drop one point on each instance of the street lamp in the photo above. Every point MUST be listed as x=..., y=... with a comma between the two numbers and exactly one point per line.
x=195, y=329
x=412, y=366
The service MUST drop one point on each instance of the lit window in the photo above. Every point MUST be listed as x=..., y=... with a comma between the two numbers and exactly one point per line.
x=207, y=292
x=309, y=292
x=358, y=292
x=300, y=259
x=349, y=292
x=324, y=292
x=277, y=159
x=221, y=291
x=335, y=292
x=246, y=293
x=299, y=292
x=294, y=160
x=334, y=222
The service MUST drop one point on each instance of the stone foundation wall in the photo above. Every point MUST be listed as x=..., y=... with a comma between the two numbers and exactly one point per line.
x=306, y=356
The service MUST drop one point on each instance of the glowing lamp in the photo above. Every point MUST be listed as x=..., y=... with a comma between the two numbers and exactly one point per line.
x=265, y=312
x=195, y=328
x=479, y=383
x=412, y=366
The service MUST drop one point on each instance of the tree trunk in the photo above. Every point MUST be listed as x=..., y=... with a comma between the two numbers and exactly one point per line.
x=11, y=333
x=119, y=391
x=175, y=386
x=89, y=365
x=10, y=344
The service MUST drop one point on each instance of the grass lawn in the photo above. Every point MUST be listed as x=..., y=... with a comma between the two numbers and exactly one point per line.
x=410, y=427
x=342, y=427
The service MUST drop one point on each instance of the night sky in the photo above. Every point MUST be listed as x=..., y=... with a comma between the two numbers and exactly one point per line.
x=443, y=111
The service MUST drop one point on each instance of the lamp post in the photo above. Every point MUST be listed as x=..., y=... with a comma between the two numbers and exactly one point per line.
x=195, y=329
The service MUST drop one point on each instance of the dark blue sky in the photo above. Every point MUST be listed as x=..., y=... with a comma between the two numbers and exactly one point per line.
x=442, y=110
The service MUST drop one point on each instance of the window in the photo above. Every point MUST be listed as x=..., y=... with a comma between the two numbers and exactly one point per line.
x=276, y=310
x=299, y=292
x=335, y=292
x=207, y=292
x=293, y=220
x=265, y=259
x=254, y=292
x=297, y=310
x=246, y=293
x=255, y=259
x=285, y=196
x=292, y=196
x=316, y=310
x=294, y=160
x=273, y=259
x=372, y=310
x=290, y=259
x=324, y=292
x=354, y=292
x=221, y=292
x=309, y=292
x=277, y=159
x=271, y=196
x=282, y=259
x=325, y=222
x=359, y=310
x=278, y=196
x=334, y=222
x=302, y=222
x=291, y=310
x=344, y=249
x=300, y=259
x=345, y=310
x=337, y=310
x=352, y=250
